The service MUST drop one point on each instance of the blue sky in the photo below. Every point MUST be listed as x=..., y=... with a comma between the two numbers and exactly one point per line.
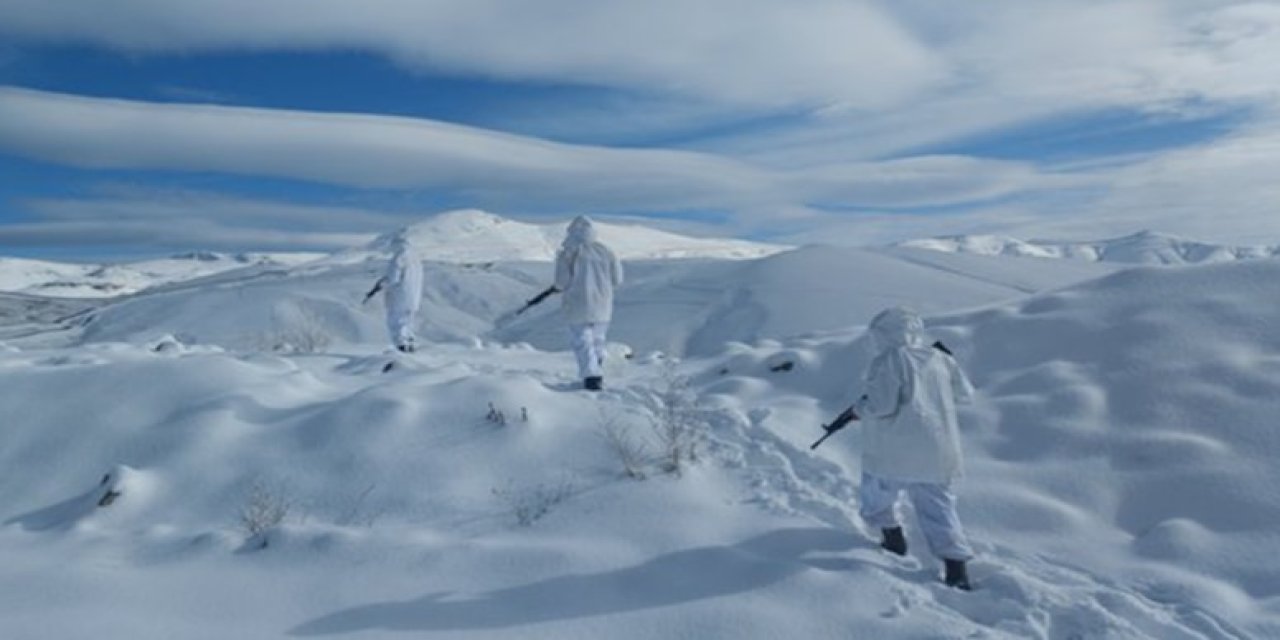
x=310, y=125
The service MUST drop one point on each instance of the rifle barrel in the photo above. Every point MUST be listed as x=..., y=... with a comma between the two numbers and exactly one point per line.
x=820, y=440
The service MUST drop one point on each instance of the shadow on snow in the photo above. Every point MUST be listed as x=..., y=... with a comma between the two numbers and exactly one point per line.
x=671, y=579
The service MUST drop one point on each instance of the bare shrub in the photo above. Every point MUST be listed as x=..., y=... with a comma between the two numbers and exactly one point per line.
x=632, y=452
x=302, y=332
x=530, y=504
x=675, y=421
x=263, y=511
x=496, y=416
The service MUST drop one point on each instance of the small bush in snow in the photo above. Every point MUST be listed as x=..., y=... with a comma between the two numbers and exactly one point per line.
x=303, y=332
x=499, y=417
x=308, y=336
x=528, y=505
x=675, y=421
x=264, y=510
x=632, y=452
x=496, y=416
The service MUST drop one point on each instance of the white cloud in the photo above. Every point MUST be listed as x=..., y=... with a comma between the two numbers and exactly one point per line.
x=165, y=220
x=1224, y=191
x=923, y=181
x=747, y=51
x=142, y=234
x=500, y=171
x=885, y=79
x=1017, y=62
x=888, y=76
x=140, y=204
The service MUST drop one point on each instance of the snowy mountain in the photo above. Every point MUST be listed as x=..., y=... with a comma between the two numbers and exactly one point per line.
x=1146, y=247
x=679, y=307
x=22, y=315
x=72, y=280
x=473, y=236
x=1121, y=459
x=465, y=236
x=699, y=308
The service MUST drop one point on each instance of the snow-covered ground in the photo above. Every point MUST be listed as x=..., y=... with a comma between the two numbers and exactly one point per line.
x=1121, y=457
x=1145, y=247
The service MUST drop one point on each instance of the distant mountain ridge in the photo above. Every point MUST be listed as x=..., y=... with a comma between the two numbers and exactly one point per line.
x=76, y=280
x=461, y=236
x=473, y=236
x=1144, y=247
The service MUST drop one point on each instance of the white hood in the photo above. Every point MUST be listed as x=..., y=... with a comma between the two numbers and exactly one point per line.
x=897, y=327
x=581, y=231
x=908, y=404
x=587, y=272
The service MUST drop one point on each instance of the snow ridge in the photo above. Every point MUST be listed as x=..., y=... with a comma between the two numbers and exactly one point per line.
x=475, y=236
x=466, y=236
x=76, y=280
x=1144, y=247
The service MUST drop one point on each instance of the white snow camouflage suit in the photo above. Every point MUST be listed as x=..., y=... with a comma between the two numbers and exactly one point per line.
x=587, y=272
x=911, y=439
x=403, y=283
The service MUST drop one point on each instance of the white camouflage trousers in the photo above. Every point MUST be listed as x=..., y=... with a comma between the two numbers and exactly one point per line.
x=588, y=346
x=935, y=506
x=401, y=318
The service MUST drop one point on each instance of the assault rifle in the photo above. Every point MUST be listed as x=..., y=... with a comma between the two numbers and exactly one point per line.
x=377, y=286
x=532, y=302
x=839, y=423
x=848, y=415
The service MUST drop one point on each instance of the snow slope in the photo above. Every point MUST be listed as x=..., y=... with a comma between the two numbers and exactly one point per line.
x=1121, y=483
x=1145, y=247
x=699, y=308
x=679, y=307
x=23, y=315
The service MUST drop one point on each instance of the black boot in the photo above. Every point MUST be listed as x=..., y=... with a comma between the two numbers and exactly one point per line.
x=957, y=575
x=893, y=541
x=593, y=383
